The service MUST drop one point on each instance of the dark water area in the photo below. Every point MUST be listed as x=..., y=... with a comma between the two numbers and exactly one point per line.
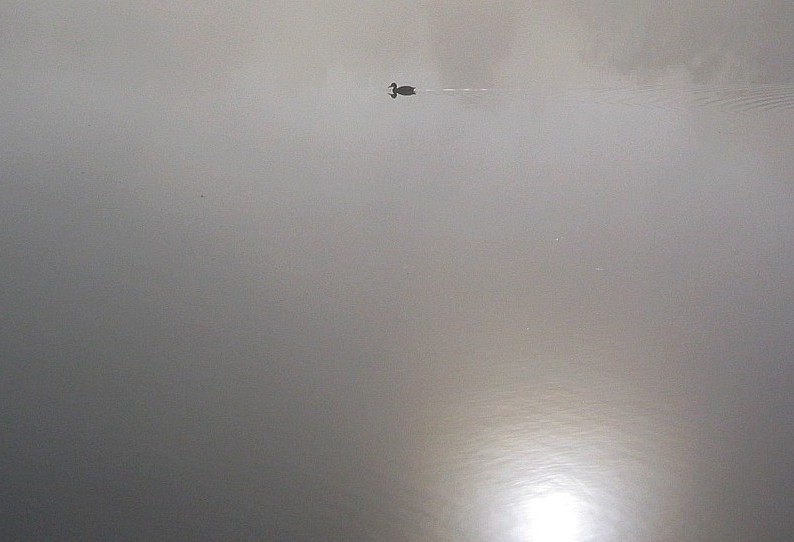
x=247, y=295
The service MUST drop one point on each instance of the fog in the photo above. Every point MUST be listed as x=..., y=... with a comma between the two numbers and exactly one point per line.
x=246, y=295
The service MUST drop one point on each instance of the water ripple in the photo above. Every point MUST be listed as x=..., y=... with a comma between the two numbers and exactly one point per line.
x=733, y=99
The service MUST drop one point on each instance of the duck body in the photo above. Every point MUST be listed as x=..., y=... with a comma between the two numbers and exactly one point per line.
x=403, y=90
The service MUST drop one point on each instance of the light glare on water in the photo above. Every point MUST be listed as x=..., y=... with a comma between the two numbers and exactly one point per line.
x=555, y=517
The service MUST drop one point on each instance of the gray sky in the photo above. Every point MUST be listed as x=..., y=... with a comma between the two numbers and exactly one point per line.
x=248, y=296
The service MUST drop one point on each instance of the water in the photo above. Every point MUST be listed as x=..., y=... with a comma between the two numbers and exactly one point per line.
x=251, y=297
x=731, y=99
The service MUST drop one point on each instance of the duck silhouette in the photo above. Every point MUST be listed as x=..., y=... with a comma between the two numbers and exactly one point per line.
x=404, y=90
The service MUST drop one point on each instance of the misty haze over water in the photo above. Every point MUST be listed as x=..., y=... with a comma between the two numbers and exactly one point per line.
x=246, y=295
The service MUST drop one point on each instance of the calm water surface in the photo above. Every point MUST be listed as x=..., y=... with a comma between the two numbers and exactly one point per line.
x=248, y=296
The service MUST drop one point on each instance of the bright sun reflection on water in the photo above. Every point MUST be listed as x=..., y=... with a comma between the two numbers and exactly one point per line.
x=555, y=517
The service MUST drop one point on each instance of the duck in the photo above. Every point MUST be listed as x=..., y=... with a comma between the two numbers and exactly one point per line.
x=404, y=90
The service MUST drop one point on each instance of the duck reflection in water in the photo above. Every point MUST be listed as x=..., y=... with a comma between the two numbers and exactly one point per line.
x=403, y=90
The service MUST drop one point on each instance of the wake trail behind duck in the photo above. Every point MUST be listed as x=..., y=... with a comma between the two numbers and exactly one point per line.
x=729, y=99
